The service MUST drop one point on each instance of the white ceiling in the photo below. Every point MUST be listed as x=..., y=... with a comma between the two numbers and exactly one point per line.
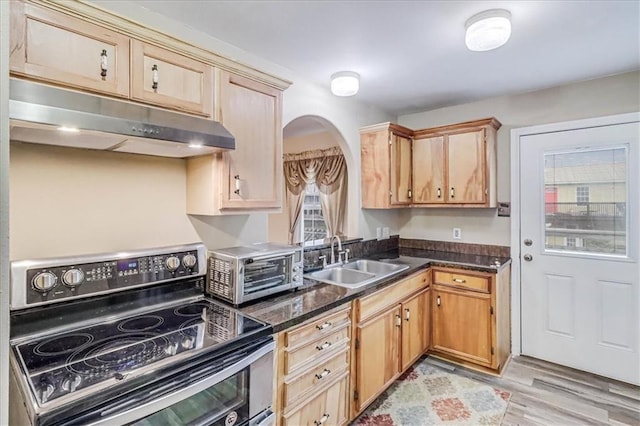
x=411, y=54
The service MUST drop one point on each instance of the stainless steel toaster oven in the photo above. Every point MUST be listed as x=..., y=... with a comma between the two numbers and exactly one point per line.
x=240, y=274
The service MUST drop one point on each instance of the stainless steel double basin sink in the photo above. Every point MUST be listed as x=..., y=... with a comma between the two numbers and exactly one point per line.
x=357, y=273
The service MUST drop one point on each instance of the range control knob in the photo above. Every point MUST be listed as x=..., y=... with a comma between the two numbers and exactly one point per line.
x=73, y=277
x=189, y=261
x=71, y=382
x=172, y=263
x=44, y=281
x=45, y=389
x=171, y=349
x=188, y=342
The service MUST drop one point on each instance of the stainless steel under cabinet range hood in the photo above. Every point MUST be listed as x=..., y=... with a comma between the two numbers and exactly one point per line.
x=53, y=116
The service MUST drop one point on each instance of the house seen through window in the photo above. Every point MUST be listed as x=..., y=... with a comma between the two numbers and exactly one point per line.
x=313, y=225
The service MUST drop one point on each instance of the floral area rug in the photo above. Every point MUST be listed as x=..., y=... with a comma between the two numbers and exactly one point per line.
x=428, y=395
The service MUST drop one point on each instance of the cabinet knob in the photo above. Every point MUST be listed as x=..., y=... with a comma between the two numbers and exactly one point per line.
x=104, y=64
x=407, y=314
x=323, y=326
x=452, y=194
x=398, y=320
x=324, y=374
x=439, y=193
x=438, y=301
x=459, y=280
x=237, y=179
x=323, y=346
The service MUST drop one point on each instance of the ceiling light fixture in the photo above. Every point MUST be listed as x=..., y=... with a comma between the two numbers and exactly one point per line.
x=345, y=83
x=488, y=30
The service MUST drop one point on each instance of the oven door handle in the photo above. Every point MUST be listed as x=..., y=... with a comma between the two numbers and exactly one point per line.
x=165, y=401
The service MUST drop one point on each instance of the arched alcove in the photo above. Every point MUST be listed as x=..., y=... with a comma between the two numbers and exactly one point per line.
x=306, y=133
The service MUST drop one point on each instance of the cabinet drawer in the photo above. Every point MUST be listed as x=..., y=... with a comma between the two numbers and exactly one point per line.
x=377, y=302
x=470, y=282
x=304, y=354
x=316, y=329
x=327, y=408
x=314, y=379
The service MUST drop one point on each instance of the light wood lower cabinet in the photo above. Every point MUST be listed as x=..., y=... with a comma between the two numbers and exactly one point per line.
x=390, y=334
x=313, y=374
x=471, y=316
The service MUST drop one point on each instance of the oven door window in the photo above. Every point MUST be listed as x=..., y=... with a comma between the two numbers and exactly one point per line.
x=261, y=274
x=216, y=405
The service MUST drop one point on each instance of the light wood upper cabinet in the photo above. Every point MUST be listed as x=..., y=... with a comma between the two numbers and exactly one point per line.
x=252, y=112
x=250, y=177
x=54, y=47
x=168, y=79
x=386, y=166
x=448, y=166
x=428, y=167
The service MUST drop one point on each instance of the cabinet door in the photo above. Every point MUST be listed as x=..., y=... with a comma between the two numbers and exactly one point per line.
x=165, y=78
x=327, y=408
x=466, y=168
x=462, y=324
x=252, y=175
x=377, y=355
x=415, y=328
x=400, y=160
x=57, y=48
x=429, y=186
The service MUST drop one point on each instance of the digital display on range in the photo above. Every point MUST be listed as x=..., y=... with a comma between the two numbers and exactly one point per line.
x=125, y=265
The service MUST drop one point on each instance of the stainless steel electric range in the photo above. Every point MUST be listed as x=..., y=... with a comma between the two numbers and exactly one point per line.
x=129, y=338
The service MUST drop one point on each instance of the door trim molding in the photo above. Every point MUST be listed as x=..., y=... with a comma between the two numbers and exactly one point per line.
x=516, y=134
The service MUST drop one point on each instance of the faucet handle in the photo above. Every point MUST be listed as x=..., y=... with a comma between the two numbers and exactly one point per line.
x=346, y=255
x=340, y=253
x=324, y=260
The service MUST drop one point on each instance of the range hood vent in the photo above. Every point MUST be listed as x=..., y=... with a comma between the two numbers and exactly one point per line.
x=48, y=115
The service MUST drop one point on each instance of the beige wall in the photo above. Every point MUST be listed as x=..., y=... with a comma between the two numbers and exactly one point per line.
x=67, y=201
x=605, y=96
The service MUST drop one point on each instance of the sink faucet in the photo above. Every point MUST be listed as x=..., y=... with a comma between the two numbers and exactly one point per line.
x=333, y=255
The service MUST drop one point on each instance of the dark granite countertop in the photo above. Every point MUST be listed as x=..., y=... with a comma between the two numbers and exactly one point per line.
x=314, y=298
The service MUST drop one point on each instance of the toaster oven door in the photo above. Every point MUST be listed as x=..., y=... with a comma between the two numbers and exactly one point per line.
x=262, y=276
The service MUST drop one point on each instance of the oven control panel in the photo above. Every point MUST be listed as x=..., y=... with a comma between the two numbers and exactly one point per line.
x=47, y=284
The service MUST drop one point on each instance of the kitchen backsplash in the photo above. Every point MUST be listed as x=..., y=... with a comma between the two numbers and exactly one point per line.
x=359, y=248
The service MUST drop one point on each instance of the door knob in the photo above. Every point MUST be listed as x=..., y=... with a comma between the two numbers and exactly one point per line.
x=528, y=257
x=528, y=242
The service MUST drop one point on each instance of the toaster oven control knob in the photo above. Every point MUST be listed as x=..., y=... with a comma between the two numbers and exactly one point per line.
x=296, y=277
x=45, y=390
x=73, y=277
x=71, y=382
x=296, y=268
x=44, y=281
x=189, y=261
x=172, y=263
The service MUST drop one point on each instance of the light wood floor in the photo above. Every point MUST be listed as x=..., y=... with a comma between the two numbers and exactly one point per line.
x=543, y=393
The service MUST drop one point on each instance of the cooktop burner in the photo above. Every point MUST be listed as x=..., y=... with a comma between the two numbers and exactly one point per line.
x=110, y=351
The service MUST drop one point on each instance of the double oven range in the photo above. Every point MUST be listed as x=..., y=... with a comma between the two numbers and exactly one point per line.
x=129, y=338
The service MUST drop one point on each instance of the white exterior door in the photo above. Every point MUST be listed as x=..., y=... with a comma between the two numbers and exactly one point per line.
x=579, y=270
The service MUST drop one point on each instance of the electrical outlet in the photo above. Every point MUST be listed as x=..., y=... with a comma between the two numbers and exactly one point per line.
x=385, y=233
x=457, y=233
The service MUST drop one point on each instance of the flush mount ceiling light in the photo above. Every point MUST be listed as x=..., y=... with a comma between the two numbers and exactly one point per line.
x=345, y=83
x=488, y=30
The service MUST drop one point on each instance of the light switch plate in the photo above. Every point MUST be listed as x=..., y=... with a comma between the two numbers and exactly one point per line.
x=385, y=233
x=457, y=233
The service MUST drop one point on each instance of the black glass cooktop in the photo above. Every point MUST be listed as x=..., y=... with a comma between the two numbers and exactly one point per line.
x=99, y=355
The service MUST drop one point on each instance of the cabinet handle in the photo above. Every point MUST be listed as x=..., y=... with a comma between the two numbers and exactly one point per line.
x=155, y=77
x=237, y=190
x=104, y=63
x=459, y=280
x=439, y=193
x=409, y=193
x=407, y=314
x=324, y=374
x=438, y=301
x=398, y=320
x=325, y=325
x=453, y=192
x=322, y=420
x=323, y=346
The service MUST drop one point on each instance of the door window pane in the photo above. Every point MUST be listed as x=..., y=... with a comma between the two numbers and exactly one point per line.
x=586, y=201
x=314, y=227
